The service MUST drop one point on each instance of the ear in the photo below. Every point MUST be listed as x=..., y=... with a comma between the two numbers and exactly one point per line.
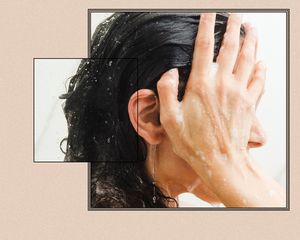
x=143, y=110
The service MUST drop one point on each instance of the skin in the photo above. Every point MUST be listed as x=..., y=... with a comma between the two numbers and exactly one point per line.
x=201, y=145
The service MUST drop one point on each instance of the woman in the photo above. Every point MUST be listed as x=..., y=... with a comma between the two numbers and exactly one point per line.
x=148, y=146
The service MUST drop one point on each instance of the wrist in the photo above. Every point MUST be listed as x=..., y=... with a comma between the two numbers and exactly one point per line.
x=245, y=185
x=237, y=180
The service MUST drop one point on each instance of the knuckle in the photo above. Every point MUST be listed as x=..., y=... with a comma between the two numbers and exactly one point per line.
x=259, y=75
x=167, y=120
x=197, y=76
x=235, y=92
x=222, y=87
x=246, y=56
x=201, y=89
x=204, y=42
x=245, y=99
x=230, y=44
x=162, y=84
x=163, y=120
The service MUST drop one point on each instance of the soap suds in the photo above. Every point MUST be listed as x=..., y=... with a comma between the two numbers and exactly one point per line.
x=192, y=187
x=179, y=117
x=200, y=154
x=209, y=173
x=213, y=71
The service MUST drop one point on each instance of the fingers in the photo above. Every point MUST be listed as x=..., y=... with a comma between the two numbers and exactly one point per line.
x=257, y=83
x=230, y=45
x=246, y=57
x=204, y=48
x=167, y=88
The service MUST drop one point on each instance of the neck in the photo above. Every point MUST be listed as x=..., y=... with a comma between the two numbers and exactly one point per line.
x=186, y=183
x=171, y=181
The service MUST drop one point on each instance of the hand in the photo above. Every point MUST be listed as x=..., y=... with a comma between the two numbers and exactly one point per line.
x=210, y=128
x=214, y=119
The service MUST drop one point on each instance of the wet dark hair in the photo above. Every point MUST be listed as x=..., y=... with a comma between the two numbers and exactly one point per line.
x=129, y=51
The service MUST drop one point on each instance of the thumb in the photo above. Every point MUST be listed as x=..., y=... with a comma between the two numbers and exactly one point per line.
x=167, y=88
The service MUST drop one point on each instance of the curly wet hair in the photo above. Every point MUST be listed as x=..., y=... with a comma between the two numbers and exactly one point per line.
x=129, y=51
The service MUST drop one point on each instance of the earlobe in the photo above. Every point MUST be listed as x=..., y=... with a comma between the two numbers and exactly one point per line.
x=143, y=110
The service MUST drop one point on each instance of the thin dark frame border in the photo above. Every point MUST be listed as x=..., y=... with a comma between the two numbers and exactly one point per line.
x=276, y=10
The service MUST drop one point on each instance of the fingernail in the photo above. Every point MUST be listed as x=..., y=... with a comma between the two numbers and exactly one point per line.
x=172, y=71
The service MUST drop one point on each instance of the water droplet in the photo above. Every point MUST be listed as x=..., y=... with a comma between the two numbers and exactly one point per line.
x=110, y=63
x=108, y=140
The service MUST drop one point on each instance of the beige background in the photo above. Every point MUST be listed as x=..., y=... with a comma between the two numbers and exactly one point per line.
x=49, y=201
